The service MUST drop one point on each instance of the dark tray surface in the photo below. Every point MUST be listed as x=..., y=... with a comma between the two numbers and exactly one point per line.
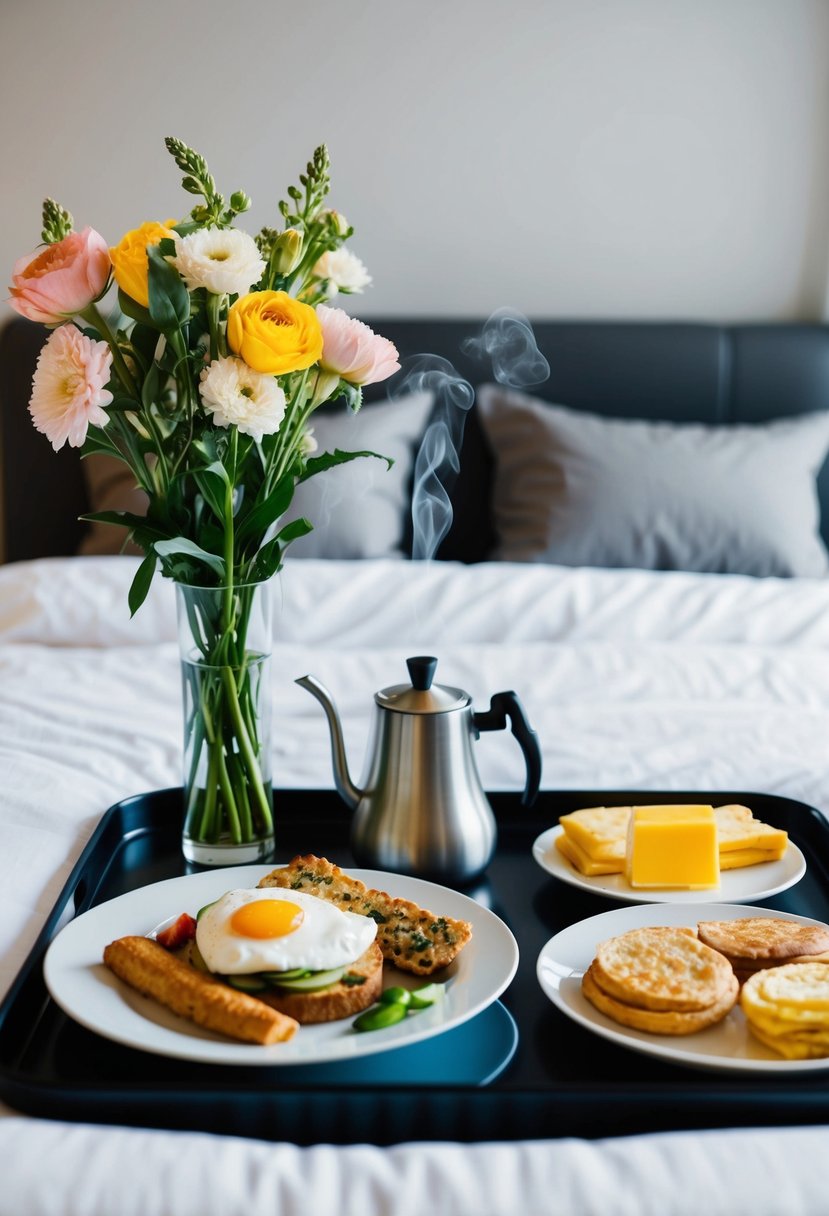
x=561, y=1080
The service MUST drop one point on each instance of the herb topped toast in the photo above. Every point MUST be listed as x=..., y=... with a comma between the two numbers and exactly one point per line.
x=410, y=937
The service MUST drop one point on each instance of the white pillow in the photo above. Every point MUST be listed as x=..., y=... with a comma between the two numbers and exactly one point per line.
x=360, y=509
x=578, y=489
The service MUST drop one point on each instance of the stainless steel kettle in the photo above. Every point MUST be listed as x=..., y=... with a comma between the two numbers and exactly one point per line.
x=421, y=808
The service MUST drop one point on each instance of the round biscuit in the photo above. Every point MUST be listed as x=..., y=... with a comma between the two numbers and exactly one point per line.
x=754, y=937
x=662, y=968
x=654, y=1021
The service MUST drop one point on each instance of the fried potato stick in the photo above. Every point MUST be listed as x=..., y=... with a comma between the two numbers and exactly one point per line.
x=150, y=969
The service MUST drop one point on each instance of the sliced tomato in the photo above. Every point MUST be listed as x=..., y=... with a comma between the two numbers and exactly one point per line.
x=180, y=931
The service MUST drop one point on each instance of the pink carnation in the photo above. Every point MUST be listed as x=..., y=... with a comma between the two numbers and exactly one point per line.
x=61, y=280
x=69, y=387
x=351, y=350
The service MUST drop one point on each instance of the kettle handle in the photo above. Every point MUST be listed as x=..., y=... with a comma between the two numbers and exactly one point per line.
x=505, y=705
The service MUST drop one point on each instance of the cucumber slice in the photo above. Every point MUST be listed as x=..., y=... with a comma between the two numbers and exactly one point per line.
x=422, y=998
x=313, y=982
x=246, y=983
x=202, y=911
x=276, y=977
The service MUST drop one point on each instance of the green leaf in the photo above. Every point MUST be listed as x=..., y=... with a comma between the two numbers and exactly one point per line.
x=141, y=583
x=131, y=308
x=125, y=519
x=318, y=464
x=260, y=518
x=169, y=298
x=124, y=403
x=181, y=546
x=295, y=529
x=151, y=386
x=215, y=495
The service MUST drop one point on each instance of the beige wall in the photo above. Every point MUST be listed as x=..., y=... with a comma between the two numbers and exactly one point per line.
x=647, y=158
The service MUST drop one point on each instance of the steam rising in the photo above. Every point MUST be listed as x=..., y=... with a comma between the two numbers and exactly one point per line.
x=437, y=460
x=507, y=342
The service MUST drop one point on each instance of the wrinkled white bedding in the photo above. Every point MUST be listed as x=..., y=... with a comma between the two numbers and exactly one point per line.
x=631, y=679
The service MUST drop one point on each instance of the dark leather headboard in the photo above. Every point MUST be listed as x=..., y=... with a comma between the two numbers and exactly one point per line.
x=680, y=372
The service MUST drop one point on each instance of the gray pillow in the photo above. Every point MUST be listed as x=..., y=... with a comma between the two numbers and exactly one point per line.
x=359, y=509
x=577, y=489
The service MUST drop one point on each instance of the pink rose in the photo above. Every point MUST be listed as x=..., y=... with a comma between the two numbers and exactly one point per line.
x=69, y=387
x=60, y=281
x=353, y=351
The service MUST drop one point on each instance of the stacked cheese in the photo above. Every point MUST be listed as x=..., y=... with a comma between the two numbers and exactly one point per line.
x=680, y=839
x=787, y=1008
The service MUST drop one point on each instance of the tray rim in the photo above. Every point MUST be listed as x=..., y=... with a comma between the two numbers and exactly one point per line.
x=19, y=1088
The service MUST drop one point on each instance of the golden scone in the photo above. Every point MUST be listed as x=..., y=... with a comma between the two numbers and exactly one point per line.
x=656, y=1021
x=662, y=969
x=411, y=937
x=340, y=1000
x=787, y=1008
x=775, y=939
x=153, y=971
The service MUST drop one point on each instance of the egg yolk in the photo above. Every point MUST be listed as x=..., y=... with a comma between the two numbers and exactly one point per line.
x=267, y=918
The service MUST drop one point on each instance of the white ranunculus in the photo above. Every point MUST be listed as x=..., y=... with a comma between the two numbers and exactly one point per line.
x=238, y=396
x=224, y=260
x=344, y=272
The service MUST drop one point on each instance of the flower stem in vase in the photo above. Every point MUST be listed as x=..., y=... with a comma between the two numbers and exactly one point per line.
x=224, y=635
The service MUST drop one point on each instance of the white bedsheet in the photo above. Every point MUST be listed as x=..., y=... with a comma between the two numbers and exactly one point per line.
x=631, y=679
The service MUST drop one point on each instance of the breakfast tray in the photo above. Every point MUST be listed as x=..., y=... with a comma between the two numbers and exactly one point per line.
x=484, y=1080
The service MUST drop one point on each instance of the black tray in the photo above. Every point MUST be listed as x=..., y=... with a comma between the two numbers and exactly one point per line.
x=561, y=1080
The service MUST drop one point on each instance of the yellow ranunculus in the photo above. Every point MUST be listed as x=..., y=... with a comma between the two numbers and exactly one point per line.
x=129, y=259
x=273, y=332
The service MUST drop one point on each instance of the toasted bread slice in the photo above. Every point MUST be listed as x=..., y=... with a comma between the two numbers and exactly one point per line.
x=411, y=937
x=341, y=1000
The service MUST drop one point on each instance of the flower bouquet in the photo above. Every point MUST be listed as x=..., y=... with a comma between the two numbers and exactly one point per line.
x=205, y=385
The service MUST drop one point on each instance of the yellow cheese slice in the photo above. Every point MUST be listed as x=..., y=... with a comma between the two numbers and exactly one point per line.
x=738, y=858
x=673, y=846
x=599, y=831
x=583, y=862
x=738, y=829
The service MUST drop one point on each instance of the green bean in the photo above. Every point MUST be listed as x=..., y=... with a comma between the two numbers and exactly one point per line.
x=395, y=996
x=380, y=1016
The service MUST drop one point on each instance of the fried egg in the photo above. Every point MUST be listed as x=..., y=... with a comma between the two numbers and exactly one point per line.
x=277, y=930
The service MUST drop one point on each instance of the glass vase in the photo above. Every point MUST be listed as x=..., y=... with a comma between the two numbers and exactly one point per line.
x=225, y=642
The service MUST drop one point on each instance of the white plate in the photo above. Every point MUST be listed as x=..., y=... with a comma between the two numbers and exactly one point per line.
x=736, y=886
x=86, y=990
x=727, y=1047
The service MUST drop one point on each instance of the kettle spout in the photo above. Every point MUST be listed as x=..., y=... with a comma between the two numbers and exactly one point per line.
x=346, y=788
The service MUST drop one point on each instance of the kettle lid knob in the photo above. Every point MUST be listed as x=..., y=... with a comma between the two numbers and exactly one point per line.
x=422, y=671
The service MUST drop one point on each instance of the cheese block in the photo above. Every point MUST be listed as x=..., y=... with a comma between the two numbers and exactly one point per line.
x=672, y=846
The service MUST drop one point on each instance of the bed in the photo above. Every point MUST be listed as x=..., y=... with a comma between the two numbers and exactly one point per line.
x=661, y=678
